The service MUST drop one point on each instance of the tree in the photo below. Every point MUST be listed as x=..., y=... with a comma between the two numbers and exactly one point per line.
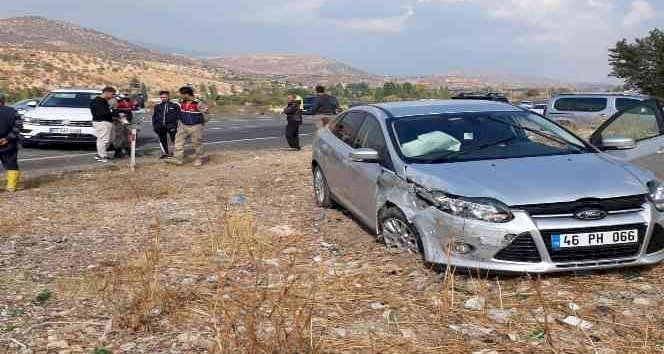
x=640, y=64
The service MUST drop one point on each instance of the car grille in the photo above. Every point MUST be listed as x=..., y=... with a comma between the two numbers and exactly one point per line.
x=522, y=249
x=657, y=240
x=60, y=123
x=608, y=205
x=580, y=254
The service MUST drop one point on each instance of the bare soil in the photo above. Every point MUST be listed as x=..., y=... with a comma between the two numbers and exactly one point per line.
x=234, y=257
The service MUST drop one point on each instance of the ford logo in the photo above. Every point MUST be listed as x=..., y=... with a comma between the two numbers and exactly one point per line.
x=590, y=214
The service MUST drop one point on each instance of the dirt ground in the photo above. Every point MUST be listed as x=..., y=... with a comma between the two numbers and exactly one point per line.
x=234, y=257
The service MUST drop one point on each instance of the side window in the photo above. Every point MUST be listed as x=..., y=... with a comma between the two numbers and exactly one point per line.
x=581, y=104
x=622, y=103
x=638, y=122
x=371, y=136
x=348, y=126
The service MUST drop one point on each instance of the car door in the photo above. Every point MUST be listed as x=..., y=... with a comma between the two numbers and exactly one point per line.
x=366, y=175
x=642, y=122
x=338, y=172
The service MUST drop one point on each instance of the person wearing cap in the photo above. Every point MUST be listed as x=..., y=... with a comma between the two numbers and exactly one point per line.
x=10, y=127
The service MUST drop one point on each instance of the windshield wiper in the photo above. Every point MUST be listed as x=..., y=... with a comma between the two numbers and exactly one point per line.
x=541, y=133
x=457, y=154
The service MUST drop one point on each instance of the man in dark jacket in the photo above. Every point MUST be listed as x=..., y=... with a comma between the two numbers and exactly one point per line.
x=165, y=117
x=293, y=114
x=102, y=121
x=10, y=126
x=325, y=106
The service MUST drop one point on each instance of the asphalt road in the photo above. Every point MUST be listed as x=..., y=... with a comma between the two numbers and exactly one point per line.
x=244, y=133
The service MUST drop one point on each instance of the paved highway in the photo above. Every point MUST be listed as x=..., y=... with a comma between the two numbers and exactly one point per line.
x=244, y=133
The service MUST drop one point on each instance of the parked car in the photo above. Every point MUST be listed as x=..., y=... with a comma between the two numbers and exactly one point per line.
x=589, y=109
x=63, y=116
x=527, y=104
x=481, y=184
x=491, y=96
x=539, y=108
x=308, y=103
x=25, y=105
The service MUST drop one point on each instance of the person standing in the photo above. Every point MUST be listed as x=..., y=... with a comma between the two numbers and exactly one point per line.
x=165, y=117
x=102, y=121
x=293, y=114
x=192, y=121
x=325, y=106
x=10, y=127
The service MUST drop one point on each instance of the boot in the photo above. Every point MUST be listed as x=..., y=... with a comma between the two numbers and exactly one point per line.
x=12, y=180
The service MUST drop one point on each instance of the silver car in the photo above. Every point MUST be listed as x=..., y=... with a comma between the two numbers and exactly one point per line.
x=487, y=185
x=589, y=109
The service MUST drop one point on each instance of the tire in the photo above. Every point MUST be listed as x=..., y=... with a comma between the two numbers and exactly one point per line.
x=397, y=232
x=321, y=189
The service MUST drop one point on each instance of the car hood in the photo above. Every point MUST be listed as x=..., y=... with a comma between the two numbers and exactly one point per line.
x=61, y=113
x=533, y=180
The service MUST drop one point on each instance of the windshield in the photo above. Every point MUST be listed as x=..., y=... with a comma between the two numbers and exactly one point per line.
x=68, y=99
x=482, y=136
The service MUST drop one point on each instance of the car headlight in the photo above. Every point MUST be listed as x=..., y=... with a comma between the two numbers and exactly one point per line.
x=485, y=209
x=26, y=119
x=657, y=194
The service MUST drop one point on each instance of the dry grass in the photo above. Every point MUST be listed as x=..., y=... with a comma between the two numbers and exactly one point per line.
x=178, y=266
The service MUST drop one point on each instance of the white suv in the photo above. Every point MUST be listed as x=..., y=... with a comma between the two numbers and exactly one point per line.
x=62, y=116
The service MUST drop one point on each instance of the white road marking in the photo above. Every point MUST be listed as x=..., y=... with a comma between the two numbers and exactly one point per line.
x=156, y=148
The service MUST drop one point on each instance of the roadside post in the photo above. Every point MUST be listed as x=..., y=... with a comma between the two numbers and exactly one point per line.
x=132, y=137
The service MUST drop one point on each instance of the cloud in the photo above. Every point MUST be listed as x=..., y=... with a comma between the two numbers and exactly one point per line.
x=639, y=11
x=391, y=24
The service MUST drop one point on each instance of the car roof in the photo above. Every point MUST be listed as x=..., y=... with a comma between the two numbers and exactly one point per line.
x=604, y=94
x=72, y=90
x=429, y=107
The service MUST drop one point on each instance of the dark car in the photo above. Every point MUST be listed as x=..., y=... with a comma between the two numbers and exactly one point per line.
x=491, y=96
x=308, y=105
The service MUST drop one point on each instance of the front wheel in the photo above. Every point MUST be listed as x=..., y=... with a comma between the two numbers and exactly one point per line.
x=321, y=189
x=397, y=232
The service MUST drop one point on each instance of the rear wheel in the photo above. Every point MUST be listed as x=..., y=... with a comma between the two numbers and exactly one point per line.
x=321, y=189
x=397, y=232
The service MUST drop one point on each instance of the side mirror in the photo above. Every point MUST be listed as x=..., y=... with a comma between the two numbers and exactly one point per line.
x=618, y=143
x=365, y=155
x=32, y=104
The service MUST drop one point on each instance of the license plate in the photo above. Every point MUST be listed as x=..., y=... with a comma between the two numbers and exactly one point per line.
x=590, y=239
x=65, y=131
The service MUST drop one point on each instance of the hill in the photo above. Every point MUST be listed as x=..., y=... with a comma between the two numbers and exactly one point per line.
x=294, y=68
x=38, y=52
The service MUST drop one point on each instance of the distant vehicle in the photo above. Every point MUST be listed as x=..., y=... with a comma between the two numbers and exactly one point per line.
x=26, y=105
x=589, y=109
x=491, y=96
x=487, y=185
x=527, y=104
x=539, y=108
x=308, y=103
x=63, y=116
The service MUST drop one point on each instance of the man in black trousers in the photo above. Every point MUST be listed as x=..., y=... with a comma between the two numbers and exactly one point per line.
x=293, y=114
x=165, y=117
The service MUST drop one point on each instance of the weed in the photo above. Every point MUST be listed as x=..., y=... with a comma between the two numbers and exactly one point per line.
x=42, y=297
x=102, y=351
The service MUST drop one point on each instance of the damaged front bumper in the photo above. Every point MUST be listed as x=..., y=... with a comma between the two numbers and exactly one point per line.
x=523, y=244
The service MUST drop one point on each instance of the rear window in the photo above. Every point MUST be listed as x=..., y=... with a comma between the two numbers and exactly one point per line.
x=622, y=103
x=581, y=104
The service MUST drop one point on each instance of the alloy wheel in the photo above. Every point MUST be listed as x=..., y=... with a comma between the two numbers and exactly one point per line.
x=397, y=233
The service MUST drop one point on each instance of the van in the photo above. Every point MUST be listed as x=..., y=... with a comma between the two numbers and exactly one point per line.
x=589, y=109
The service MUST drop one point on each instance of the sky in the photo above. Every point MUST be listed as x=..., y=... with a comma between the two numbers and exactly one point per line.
x=560, y=39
